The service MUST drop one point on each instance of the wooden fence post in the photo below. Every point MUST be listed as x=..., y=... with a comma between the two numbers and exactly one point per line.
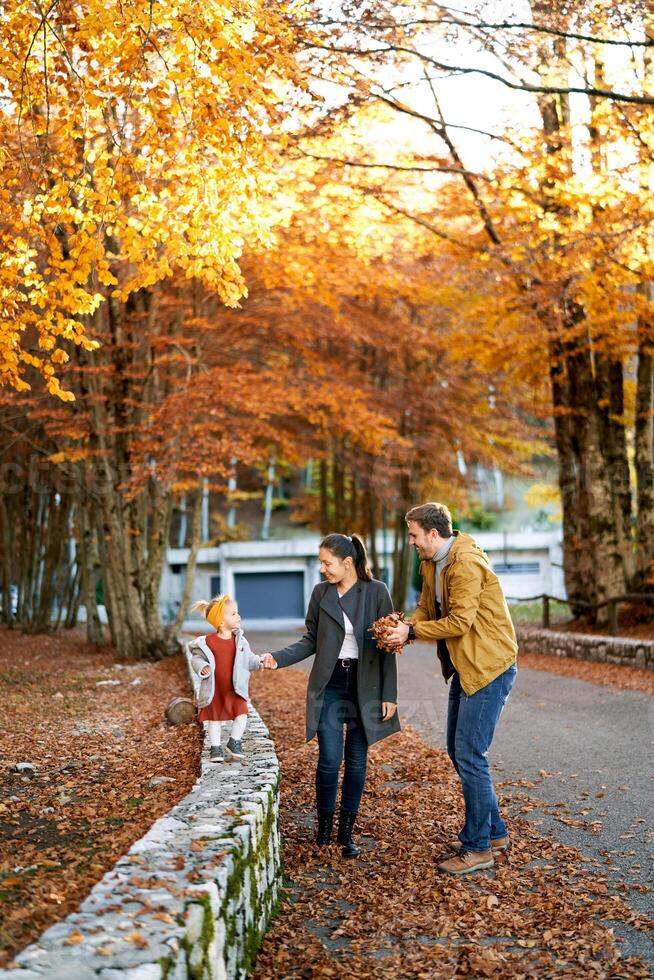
x=613, y=618
x=546, y=611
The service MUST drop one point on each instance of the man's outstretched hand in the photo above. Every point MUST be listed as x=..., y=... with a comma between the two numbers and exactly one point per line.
x=391, y=633
x=268, y=662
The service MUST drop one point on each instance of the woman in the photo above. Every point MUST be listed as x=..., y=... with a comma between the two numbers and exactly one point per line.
x=352, y=685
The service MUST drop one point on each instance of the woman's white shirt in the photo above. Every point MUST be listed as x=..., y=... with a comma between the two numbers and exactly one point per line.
x=350, y=648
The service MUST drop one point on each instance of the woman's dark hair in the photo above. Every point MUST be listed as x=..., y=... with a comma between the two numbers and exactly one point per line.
x=349, y=546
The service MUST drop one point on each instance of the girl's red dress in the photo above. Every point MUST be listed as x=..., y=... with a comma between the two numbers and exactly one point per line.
x=226, y=704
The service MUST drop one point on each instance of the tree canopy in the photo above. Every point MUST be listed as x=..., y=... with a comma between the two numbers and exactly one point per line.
x=249, y=232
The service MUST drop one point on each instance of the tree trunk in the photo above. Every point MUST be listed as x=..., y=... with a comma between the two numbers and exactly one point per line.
x=371, y=516
x=575, y=524
x=324, y=498
x=354, y=503
x=132, y=523
x=401, y=555
x=601, y=545
x=73, y=604
x=644, y=420
x=158, y=503
x=87, y=560
x=644, y=443
x=6, y=536
x=55, y=569
x=196, y=537
x=338, y=490
x=36, y=531
x=593, y=542
x=614, y=445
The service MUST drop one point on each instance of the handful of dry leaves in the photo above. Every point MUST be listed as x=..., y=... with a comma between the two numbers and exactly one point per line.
x=381, y=628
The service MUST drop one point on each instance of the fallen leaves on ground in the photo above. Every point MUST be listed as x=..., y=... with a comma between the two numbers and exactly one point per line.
x=541, y=913
x=94, y=748
x=636, y=623
x=610, y=675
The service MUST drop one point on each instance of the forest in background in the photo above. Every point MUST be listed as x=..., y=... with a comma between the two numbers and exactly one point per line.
x=247, y=236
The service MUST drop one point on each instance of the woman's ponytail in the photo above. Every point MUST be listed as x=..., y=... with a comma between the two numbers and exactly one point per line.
x=361, y=559
x=349, y=546
x=201, y=606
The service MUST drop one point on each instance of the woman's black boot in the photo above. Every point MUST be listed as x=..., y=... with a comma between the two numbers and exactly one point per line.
x=345, y=828
x=325, y=823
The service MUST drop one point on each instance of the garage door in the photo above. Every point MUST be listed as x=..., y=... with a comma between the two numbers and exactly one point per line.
x=270, y=595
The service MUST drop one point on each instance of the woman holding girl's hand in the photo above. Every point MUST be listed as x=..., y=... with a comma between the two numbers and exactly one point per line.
x=352, y=691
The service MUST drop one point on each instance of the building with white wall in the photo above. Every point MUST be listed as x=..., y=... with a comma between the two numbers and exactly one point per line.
x=273, y=580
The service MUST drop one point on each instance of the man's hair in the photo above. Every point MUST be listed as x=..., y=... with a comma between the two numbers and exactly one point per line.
x=432, y=517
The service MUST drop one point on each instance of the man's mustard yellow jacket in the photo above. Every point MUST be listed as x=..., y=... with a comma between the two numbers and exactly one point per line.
x=475, y=620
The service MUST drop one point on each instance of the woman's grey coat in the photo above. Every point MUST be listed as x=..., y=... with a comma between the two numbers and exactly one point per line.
x=244, y=662
x=325, y=631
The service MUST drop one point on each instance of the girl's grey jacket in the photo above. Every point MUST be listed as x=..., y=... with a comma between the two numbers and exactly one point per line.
x=244, y=662
x=325, y=630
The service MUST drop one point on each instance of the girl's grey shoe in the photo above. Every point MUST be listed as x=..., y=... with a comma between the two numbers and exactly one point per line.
x=216, y=754
x=234, y=749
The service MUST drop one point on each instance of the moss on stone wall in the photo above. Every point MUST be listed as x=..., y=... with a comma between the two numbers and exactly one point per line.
x=264, y=905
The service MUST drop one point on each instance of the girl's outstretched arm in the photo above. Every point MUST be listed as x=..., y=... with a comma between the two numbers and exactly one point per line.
x=253, y=661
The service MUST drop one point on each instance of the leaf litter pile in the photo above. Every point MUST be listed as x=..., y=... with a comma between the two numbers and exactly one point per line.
x=88, y=765
x=381, y=629
x=542, y=912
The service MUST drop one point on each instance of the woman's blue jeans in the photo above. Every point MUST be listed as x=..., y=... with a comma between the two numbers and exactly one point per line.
x=340, y=711
x=471, y=721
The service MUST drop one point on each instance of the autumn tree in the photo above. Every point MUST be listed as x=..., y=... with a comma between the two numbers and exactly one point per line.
x=134, y=150
x=359, y=298
x=259, y=233
x=548, y=232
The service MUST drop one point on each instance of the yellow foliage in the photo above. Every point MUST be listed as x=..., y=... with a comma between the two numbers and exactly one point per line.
x=135, y=146
x=540, y=495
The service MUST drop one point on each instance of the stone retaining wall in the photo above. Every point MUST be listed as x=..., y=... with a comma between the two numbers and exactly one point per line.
x=585, y=646
x=193, y=897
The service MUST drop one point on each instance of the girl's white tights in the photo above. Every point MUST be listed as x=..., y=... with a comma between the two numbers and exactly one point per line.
x=238, y=728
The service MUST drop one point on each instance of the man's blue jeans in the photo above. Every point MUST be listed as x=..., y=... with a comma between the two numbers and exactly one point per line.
x=471, y=721
x=340, y=711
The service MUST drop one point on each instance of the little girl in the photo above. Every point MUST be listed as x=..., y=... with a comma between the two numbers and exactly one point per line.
x=223, y=660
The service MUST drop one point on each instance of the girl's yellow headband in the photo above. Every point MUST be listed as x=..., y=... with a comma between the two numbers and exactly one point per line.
x=216, y=611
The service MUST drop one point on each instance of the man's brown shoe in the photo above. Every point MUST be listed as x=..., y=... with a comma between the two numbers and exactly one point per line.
x=500, y=844
x=468, y=861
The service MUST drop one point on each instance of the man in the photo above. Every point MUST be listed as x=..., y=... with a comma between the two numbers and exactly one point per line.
x=462, y=607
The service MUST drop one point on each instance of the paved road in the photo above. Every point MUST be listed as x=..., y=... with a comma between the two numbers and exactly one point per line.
x=585, y=747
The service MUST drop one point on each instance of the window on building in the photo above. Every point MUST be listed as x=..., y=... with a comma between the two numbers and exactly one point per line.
x=215, y=585
x=517, y=568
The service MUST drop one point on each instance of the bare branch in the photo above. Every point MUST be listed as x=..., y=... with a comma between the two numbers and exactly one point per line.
x=518, y=86
x=390, y=166
x=372, y=24
x=425, y=224
x=458, y=171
